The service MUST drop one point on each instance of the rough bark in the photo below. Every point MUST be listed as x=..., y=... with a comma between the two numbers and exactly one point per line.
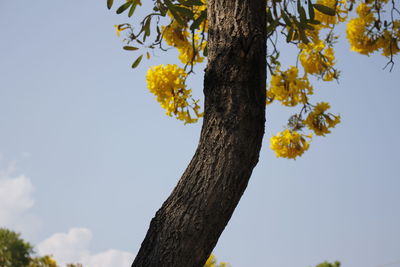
x=186, y=228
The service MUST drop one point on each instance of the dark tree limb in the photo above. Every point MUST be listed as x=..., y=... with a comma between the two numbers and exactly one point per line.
x=186, y=228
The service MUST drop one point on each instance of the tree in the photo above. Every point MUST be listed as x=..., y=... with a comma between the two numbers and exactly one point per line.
x=187, y=226
x=45, y=261
x=327, y=264
x=14, y=252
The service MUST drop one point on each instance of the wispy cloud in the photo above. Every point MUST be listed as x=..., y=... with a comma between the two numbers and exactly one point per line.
x=73, y=247
x=16, y=198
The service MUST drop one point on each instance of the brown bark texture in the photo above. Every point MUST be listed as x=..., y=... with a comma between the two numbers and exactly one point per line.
x=186, y=228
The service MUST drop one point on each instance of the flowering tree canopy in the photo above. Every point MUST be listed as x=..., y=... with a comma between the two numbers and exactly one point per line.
x=309, y=26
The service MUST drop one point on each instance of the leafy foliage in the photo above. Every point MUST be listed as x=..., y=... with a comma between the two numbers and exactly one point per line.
x=14, y=251
x=327, y=264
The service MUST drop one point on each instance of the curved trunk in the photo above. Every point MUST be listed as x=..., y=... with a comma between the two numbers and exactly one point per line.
x=186, y=228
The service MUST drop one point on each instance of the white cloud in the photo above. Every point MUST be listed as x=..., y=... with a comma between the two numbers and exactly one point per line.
x=73, y=247
x=15, y=197
x=16, y=200
x=109, y=258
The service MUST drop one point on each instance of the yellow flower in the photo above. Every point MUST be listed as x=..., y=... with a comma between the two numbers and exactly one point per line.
x=167, y=83
x=178, y=36
x=340, y=7
x=175, y=35
x=316, y=58
x=189, y=55
x=212, y=262
x=289, y=144
x=320, y=122
x=388, y=43
x=288, y=88
x=357, y=31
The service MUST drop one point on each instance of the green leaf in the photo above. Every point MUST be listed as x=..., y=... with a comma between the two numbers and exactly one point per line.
x=314, y=21
x=272, y=26
x=191, y=2
x=148, y=55
x=311, y=12
x=177, y=17
x=303, y=36
x=133, y=7
x=137, y=62
x=130, y=48
x=147, y=27
x=302, y=13
x=175, y=14
x=185, y=12
x=308, y=26
x=109, y=3
x=196, y=23
x=290, y=35
x=269, y=16
x=300, y=26
x=286, y=18
x=205, y=51
x=124, y=7
x=324, y=9
x=298, y=6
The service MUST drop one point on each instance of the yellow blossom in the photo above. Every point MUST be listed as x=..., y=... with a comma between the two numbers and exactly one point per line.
x=320, y=122
x=288, y=88
x=317, y=59
x=175, y=35
x=178, y=36
x=289, y=144
x=340, y=7
x=188, y=55
x=388, y=43
x=212, y=262
x=167, y=83
x=357, y=31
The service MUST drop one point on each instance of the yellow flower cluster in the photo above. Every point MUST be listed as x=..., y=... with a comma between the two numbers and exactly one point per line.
x=340, y=7
x=288, y=88
x=320, y=122
x=318, y=59
x=212, y=262
x=364, y=41
x=289, y=144
x=179, y=37
x=45, y=261
x=389, y=43
x=167, y=83
x=357, y=29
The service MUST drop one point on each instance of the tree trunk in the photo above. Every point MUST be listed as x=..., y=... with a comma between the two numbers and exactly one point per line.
x=186, y=228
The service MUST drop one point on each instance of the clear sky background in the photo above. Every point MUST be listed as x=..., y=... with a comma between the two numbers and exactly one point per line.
x=88, y=155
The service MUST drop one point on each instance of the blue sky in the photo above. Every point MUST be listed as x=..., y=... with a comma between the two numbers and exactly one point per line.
x=88, y=155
